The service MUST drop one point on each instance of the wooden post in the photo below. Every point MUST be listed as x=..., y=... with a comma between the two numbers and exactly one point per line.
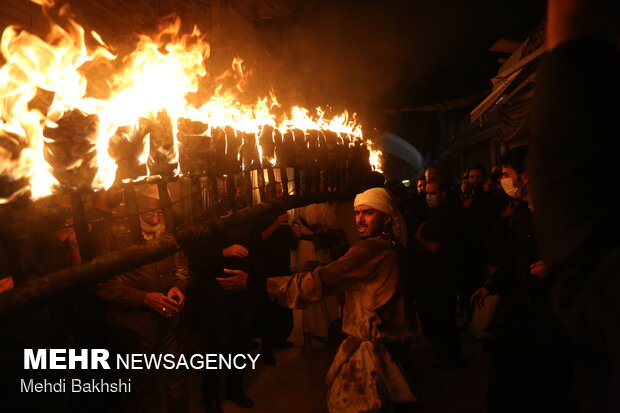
x=231, y=191
x=133, y=213
x=214, y=196
x=267, y=141
x=80, y=224
x=197, y=200
x=166, y=205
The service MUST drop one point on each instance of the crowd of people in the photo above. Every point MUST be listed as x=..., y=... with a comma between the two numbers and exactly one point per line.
x=520, y=245
x=370, y=274
x=476, y=242
x=209, y=298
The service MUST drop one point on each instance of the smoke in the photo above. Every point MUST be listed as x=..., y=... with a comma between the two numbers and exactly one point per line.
x=363, y=55
x=393, y=52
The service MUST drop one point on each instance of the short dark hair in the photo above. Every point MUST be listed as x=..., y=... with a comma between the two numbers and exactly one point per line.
x=515, y=158
x=478, y=168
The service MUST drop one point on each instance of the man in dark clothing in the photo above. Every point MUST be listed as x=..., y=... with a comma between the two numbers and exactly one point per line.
x=418, y=210
x=276, y=321
x=476, y=179
x=477, y=218
x=435, y=270
x=530, y=348
x=19, y=264
x=575, y=145
x=228, y=281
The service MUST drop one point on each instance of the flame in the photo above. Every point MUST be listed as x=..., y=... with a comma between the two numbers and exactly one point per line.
x=32, y=65
x=375, y=156
x=162, y=75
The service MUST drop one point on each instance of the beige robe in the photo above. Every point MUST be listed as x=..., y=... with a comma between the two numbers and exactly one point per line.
x=317, y=317
x=363, y=376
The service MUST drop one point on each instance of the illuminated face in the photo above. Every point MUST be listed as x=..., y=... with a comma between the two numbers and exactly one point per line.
x=509, y=182
x=431, y=174
x=370, y=221
x=475, y=178
x=465, y=186
x=154, y=214
x=421, y=185
x=435, y=193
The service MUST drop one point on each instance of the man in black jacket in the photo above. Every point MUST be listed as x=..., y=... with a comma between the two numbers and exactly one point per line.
x=440, y=242
x=228, y=280
x=530, y=348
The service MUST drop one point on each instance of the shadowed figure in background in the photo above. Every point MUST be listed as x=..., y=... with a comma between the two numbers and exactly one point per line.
x=575, y=146
x=438, y=245
x=229, y=283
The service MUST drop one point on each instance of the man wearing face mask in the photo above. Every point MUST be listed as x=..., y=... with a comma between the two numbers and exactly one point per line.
x=437, y=266
x=530, y=347
x=143, y=308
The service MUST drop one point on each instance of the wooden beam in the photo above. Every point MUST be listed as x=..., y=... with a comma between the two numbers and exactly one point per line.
x=39, y=291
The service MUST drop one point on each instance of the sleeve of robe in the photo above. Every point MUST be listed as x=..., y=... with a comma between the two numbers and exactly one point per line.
x=311, y=286
x=576, y=187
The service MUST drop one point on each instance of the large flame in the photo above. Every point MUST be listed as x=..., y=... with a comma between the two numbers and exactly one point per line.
x=375, y=156
x=43, y=80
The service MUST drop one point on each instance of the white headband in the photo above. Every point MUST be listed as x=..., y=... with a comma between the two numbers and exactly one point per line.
x=381, y=200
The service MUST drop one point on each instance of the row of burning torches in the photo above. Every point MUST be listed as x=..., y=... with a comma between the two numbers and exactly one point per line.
x=57, y=139
x=217, y=162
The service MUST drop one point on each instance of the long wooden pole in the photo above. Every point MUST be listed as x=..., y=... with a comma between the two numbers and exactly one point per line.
x=39, y=291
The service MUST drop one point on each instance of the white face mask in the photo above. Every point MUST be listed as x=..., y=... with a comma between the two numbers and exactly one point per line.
x=509, y=187
x=150, y=231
